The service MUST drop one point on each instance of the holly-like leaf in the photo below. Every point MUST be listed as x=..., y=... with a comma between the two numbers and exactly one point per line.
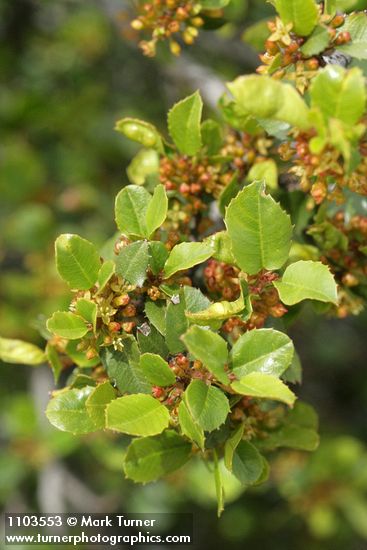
x=140, y=131
x=132, y=262
x=265, y=98
x=262, y=350
x=77, y=261
x=186, y=255
x=184, y=124
x=67, y=325
x=150, y=458
x=176, y=324
x=264, y=386
x=303, y=14
x=356, y=25
x=307, y=280
x=67, y=411
x=19, y=352
x=207, y=405
x=339, y=93
x=156, y=370
x=259, y=229
x=316, y=42
x=138, y=414
x=123, y=368
x=157, y=210
x=97, y=401
x=191, y=429
x=209, y=348
x=131, y=206
x=247, y=463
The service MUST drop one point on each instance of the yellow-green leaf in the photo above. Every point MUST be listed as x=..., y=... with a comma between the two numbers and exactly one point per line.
x=307, y=280
x=77, y=261
x=19, y=352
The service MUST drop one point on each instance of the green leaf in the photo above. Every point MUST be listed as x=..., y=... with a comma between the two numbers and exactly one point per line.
x=219, y=489
x=158, y=256
x=220, y=311
x=264, y=386
x=209, y=348
x=104, y=275
x=157, y=210
x=214, y=4
x=184, y=124
x=339, y=93
x=303, y=14
x=131, y=207
x=256, y=34
x=97, y=402
x=156, y=313
x=138, y=414
x=188, y=427
x=195, y=300
x=132, y=262
x=293, y=374
x=149, y=458
x=78, y=356
x=67, y=411
x=143, y=165
x=330, y=7
x=77, y=261
x=176, y=324
x=263, y=350
x=298, y=432
x=307, y=280
x=212, y=136
x=228, y=193
x=87, y=310
x=19, y=352
x=123, y=368
x=156, y=370
x=259, y=229
x=267, y=171
x=317, y=41
x=356, y=25
x=207, y=405
x=140, y=131
x=54, y=360
x=186, y=255
x=231, y=444
x=67, y=325
x=222, y=243
x=153, y=342
x=265, y=98
x=247, y=463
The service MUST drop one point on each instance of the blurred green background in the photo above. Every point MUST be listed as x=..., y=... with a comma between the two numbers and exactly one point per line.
x=70, y=69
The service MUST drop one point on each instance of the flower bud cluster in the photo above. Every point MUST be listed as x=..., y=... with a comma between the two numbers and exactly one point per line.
x=168, y=20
